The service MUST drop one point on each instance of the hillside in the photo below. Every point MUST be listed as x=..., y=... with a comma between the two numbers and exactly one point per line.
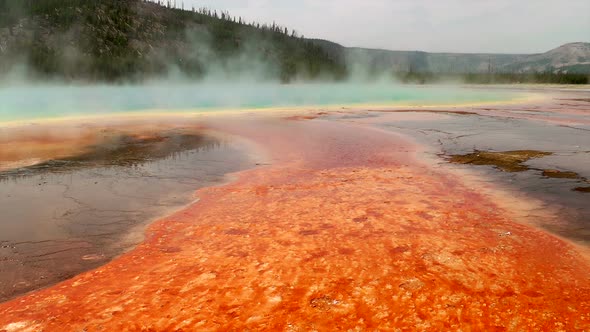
x=110, y=40
x=138, y=40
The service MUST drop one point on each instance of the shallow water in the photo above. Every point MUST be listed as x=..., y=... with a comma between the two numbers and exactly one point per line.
x=560, y=209
x=65, y=216
x=39, y=102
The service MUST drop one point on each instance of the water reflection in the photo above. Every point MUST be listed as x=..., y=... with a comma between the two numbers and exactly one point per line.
x=68, y=215
x=121, y=150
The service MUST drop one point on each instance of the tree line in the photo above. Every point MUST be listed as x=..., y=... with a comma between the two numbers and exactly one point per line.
x=547, y=77
x=117, y=40
x=135, y=40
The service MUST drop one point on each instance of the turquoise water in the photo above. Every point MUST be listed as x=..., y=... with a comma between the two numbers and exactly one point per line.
x=41, y=102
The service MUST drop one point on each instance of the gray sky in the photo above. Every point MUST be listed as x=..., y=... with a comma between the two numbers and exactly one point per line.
x=498, y=26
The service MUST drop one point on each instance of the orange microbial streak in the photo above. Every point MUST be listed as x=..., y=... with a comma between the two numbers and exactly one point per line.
x=344, y=231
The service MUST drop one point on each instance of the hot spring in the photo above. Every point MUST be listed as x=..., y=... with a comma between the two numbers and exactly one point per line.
x=25, y=102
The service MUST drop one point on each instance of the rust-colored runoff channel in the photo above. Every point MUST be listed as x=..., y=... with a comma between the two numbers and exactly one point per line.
x=344, y=230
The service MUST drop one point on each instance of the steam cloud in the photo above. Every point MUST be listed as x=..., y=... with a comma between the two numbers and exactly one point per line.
x=248, y=78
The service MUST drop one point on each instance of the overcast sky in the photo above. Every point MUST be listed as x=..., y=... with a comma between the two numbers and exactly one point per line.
x=498, y=26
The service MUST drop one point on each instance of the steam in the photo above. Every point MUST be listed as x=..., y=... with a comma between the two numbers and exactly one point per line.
x=249, y=78
x=25, y=102
x=257, y=58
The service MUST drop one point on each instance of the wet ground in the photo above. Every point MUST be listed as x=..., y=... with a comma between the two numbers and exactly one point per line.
x=549, y=143
x=357, y=221
x=64, y=216
x=346, y=229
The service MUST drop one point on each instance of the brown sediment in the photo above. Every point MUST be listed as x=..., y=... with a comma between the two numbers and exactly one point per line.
x=508, y=161
x=512, y=161
x=587, y=100
x=427, y=111
x=313, y=116
x=557, y=174
x=301, y=117
x=346, y=230
x=582, y=189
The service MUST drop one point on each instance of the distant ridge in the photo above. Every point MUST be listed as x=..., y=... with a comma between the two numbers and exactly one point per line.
x=572, y=57
x=568, y=58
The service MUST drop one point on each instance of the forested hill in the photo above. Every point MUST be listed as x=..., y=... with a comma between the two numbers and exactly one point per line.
x=138, y=40
x=134, y=40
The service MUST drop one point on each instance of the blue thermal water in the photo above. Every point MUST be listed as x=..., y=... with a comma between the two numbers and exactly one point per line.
x=41, y=102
